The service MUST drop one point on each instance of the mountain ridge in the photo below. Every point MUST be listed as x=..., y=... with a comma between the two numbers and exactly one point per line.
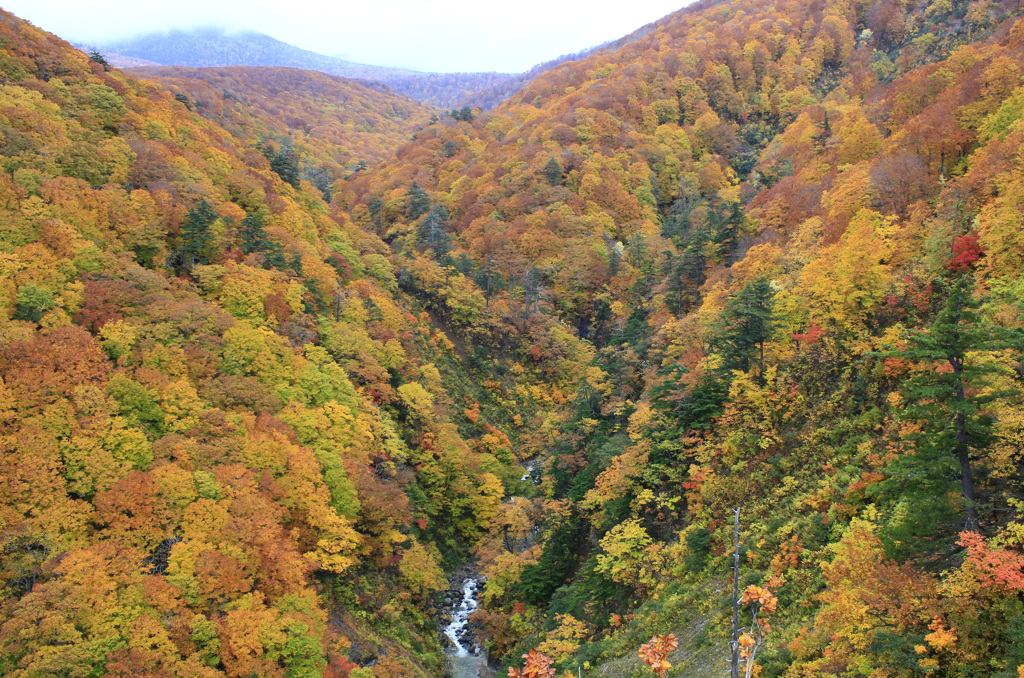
x=334, y=125
x=214, y=47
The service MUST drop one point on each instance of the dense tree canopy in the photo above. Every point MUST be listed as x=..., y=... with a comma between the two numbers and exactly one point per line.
x=278, y=353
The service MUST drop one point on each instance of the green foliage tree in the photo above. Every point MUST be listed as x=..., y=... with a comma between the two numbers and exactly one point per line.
x=675, y=270
x=489, y=279
x=748, y=324
x=94, y=55
x=417, y=202
x=252, y=235
x=539, y=581
x=195, y=233
x=283, y=161
x=432, y=231
x=728, y=228
x=32, y=301
x=464, y=114
x=699, y=250
x=376, y=208
x=947, y=399
x=554, y=172
x=286, y=165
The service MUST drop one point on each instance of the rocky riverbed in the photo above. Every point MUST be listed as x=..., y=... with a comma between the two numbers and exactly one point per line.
x=466, y=657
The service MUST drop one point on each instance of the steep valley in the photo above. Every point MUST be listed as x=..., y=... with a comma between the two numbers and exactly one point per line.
x=282, y=354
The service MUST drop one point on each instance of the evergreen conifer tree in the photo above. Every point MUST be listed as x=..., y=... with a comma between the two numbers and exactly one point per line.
x=432, y=231
x=698, y=248
x=554, y=172
x=728, y=231
x=749, y=321
x=376, y=208
x=252, y=234
x=488, y=278
x=417, y=202
x=95, y=55
x=286, y=166
x=947, y=401
x=274, y=257
x=195, y=233
x=675, y=272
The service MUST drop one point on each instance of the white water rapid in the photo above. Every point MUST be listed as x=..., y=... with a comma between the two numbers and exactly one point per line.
x=530, y=468
x=466, y=659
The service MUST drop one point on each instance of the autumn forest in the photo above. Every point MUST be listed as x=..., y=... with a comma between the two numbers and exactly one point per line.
x=703, y=352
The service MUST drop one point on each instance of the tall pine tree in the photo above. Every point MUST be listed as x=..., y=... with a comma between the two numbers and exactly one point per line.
x=749, y=324
x=553, y=172
x=947, y=400
x=417, y=202
x=432, y=231
x=252, y=235
x=195, y=234
x=376, y=208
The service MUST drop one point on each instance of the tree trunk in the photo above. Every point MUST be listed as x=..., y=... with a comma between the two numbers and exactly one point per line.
x=967, y=481
x=963, y=442
x=735, y=643
x=697, y=282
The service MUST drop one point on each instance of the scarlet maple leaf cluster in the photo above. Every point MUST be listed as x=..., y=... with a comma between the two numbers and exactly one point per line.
x=967, y=250
x=999, y=567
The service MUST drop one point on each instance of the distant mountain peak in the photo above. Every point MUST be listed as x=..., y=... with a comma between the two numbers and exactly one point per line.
x=220, y=46
x=217, y=46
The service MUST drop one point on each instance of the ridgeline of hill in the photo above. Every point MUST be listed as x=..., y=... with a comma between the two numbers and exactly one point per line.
x=336, y=126
x=215, y=47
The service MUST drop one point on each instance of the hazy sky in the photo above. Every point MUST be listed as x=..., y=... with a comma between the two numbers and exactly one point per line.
x=428, y=35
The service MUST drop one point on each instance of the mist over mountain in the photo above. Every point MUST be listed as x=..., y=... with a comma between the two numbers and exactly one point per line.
x=213, y=46
x=208, y=47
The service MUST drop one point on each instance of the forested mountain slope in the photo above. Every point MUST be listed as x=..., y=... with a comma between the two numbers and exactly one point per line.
x=230, y=446
x=337, y=126
x=761, y=255
x=788, y=235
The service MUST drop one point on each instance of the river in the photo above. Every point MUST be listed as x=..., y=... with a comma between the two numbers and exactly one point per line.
x=466, y=659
